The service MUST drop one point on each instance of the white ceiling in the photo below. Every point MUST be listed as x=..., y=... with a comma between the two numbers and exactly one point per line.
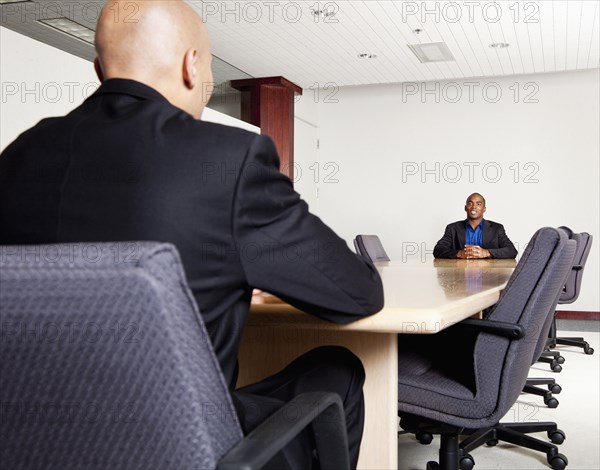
x=268, y=38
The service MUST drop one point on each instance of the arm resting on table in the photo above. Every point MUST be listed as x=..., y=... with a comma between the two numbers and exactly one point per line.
x=302, y=261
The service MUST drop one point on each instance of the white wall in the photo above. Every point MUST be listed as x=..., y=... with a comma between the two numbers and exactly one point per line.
x=535, y=160
x=210, y=115
x=38, y=81
x=306, y=134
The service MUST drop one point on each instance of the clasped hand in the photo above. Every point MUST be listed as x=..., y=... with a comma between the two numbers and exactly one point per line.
x=473, y=252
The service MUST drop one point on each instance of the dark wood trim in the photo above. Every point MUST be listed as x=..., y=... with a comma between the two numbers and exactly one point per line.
x=268, y=103
x=247, y=83
x=571, y=315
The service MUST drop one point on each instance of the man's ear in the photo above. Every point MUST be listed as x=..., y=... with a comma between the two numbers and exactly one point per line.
x=98, y=70
x=189, y=68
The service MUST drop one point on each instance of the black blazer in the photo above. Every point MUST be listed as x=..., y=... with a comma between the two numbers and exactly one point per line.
x=494, y=240
x=127, y=165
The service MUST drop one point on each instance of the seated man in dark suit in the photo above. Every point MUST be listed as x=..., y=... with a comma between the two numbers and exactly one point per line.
x=134, y=162
x=475, y=237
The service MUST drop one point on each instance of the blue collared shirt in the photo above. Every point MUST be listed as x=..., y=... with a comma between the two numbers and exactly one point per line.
x=474, y=237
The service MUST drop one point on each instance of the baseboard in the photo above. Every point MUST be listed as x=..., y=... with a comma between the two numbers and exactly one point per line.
x=571, y=315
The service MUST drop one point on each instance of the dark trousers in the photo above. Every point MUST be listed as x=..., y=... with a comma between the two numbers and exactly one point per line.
x=328, y=368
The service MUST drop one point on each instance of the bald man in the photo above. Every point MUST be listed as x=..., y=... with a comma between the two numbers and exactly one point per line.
x=134, y=162
x=475, y=237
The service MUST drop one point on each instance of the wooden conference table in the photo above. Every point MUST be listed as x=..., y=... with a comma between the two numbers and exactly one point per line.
x=420, y=298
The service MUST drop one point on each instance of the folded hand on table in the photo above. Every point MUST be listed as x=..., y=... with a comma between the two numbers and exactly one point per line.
x=262, y=297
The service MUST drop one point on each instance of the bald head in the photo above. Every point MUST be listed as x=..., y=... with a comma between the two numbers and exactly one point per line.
x=474, y=196
x=163, y=44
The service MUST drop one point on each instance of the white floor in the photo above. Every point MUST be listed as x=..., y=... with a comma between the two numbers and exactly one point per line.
x=577, y=414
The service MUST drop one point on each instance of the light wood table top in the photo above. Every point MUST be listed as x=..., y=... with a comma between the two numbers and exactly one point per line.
x=419, y=297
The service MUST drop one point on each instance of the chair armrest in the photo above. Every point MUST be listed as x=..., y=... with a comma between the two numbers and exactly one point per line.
x=499, y=328
x=259, y=446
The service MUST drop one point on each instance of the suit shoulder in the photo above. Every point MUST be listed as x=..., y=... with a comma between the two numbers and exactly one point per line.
x=458, y=223
x=38, y=135
x=495, y=225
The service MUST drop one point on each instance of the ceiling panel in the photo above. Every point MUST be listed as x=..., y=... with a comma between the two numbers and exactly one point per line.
x=266, y=38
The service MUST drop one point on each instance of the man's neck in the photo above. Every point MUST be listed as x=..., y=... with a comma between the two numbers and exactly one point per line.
x=475, y=223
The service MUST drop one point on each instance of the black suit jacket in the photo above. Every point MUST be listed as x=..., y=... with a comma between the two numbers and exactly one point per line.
x=494, y=240
x=127, y=165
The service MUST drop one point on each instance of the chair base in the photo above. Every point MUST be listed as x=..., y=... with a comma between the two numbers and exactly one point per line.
x=454, y=454
x=516, y=433
x=553, y=358
x=577, y=342
x=531, y=386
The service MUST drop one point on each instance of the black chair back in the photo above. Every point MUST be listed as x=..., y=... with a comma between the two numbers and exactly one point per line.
x=370, y=247
x=573, y=283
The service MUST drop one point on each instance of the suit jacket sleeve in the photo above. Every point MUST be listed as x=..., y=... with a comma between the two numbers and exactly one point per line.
x=505, y=249
x=291, y=253
x=445, y=247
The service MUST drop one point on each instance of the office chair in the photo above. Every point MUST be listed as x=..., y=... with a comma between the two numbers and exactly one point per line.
x=106, y=363
x=469, y=391
x=573, y=288
x=569, y=294
x=370, y=247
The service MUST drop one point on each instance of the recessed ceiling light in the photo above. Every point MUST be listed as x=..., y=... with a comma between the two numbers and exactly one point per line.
x=432, y=52
x=323, y=13
x=499, y=45
x=70, y=27
x=367, y=55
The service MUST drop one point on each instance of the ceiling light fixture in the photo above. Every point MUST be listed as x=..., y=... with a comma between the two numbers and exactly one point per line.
x=432, y=52
x=70, y=27
x=367, y=55
x=323, y=13
x=499, y=45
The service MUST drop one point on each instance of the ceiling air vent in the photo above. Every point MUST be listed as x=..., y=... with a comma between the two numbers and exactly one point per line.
x=432, y=52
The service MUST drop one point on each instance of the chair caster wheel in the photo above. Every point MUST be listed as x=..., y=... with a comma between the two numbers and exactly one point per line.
x=555, y=388
x=560, y=359
x=492, y=442
x=589, y=351
x=467, y=462
x=556, y=367
x=424, y=438
x=557, y=437
x=433, y=466
x=558, y=461
x=551, y=402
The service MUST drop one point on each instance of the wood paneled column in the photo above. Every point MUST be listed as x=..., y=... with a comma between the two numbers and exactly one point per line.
x=268, y=103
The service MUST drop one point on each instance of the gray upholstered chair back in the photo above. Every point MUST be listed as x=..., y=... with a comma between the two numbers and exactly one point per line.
x=105, y=362
x=478, y=395
x=573, y=282
x=570, y=291
x=370, y=247
x=529, y=299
